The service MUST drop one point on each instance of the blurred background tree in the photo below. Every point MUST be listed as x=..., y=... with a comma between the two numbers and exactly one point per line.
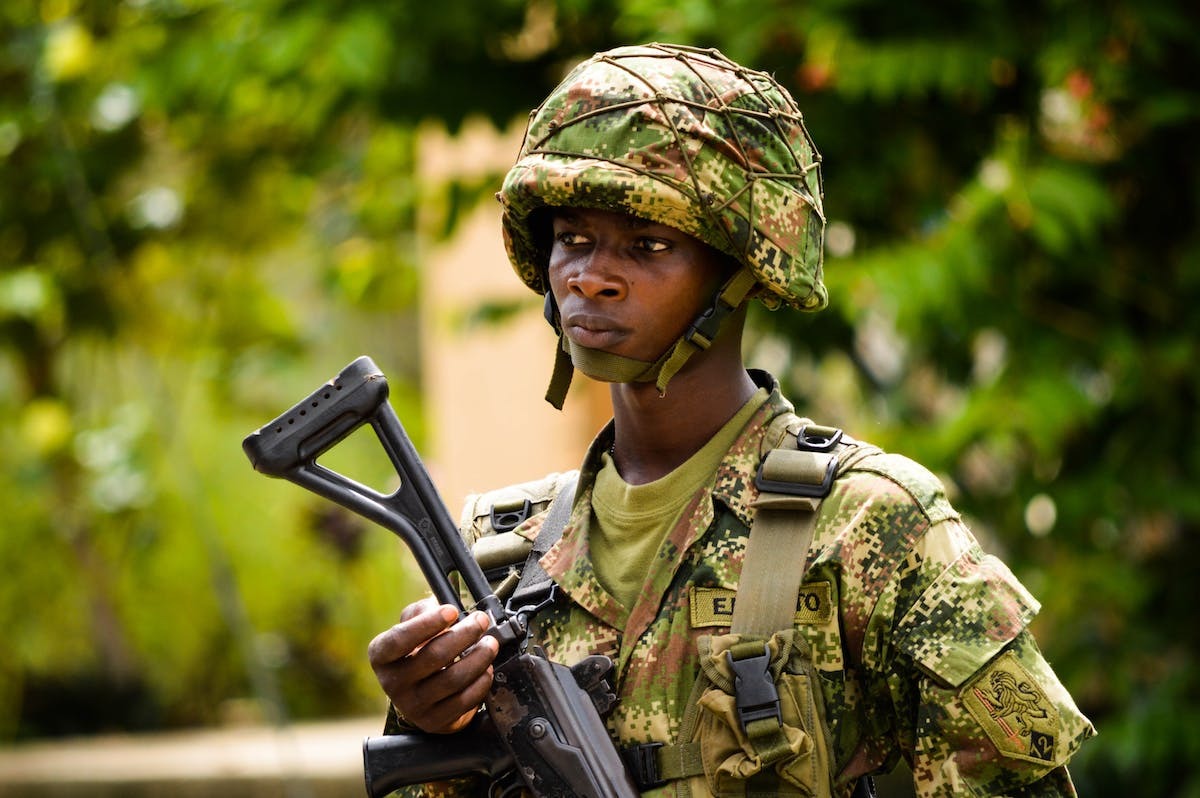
x=199, y=200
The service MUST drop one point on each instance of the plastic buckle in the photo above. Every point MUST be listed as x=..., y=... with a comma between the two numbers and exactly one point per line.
x=642, y=761
x=509, y=517
x=754, y=691
x=815, y=438
x=535, y=602
x=705, y=328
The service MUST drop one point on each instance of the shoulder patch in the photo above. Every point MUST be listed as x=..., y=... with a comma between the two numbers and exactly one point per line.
x=965, y=617
x=1013, y=710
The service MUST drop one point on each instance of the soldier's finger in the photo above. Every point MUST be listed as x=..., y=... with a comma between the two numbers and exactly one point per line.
x=449, y=646
x=407, y=636
x=452, y=710
x=450, y=682
x=417, y=607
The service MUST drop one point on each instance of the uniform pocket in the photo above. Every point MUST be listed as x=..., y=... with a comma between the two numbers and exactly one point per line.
x=972, y=610
x=784, y=756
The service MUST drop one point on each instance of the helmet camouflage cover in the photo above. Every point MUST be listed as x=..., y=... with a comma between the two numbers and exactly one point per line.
x=683, y=137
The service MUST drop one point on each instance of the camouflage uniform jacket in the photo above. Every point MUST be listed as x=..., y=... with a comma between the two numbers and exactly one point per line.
x=927, y=655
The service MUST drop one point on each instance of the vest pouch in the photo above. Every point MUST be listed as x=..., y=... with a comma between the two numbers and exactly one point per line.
x=787, y=758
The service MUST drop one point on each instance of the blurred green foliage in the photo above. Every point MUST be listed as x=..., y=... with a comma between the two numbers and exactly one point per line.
x=203, y=204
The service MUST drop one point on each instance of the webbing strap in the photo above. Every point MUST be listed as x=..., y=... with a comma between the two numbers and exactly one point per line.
x=560, y=378
x=679, y=761
x=607, y=367
x=706, y=328
x=534, y=579
x=781, y=524
x=769, y=740
x=654, y=764
x=791, y=483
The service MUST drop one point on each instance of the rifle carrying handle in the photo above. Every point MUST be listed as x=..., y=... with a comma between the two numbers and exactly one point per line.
x=316, y=424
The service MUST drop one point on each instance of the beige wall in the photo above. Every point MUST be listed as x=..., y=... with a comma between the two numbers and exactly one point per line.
x=484, y=386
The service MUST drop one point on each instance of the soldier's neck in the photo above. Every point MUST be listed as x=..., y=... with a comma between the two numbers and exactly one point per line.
x=657, y=434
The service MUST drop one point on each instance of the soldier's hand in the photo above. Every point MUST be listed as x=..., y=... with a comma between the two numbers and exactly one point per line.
x=436, y=671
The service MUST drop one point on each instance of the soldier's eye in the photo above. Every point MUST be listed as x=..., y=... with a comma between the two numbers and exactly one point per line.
x=569, y=239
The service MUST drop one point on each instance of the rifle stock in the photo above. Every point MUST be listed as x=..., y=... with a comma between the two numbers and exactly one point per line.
x=542, y=715
x=289, y=446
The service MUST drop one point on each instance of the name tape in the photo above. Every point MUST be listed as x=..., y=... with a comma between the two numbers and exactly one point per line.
x=713, y=606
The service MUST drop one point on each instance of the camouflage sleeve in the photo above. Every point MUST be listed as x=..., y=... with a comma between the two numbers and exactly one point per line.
x=978, y=708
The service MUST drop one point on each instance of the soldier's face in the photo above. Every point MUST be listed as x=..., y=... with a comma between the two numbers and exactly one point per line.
x=626, y=285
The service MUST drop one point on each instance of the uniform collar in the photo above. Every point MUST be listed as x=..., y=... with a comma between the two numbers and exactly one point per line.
x=735, y=475
x=568, y=562
x=734, y=484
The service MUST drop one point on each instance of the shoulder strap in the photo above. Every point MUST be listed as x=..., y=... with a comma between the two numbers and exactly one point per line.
x=535, y=583
x=795, y=475
x=792, y=481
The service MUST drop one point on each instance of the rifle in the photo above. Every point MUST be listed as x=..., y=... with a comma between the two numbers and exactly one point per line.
x=541, y=725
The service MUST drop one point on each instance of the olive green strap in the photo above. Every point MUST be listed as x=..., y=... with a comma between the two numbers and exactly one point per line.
x=769, y=741
x=792, y=483
x=679, y=761
x=784, y=521
x=706, y=328
x=560, y=378
x=607, y=367
x=781, y=524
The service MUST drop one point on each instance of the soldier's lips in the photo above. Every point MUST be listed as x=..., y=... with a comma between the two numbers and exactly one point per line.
x=594, y=332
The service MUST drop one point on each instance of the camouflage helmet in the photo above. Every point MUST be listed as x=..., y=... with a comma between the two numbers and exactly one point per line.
x=683, y=137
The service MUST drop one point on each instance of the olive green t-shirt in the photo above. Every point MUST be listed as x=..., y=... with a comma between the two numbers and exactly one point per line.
x=629, y=522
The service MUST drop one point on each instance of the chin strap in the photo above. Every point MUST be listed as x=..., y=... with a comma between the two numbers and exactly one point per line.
x=607, y=367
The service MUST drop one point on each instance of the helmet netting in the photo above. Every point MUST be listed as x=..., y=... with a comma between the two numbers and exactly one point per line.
x=683, y=137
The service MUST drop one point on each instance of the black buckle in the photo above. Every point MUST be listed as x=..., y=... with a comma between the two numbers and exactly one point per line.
x=754, y=690
x=642, y=761
x=532, y=601
x=706, y=326
x=815, y=438
x=509, y=518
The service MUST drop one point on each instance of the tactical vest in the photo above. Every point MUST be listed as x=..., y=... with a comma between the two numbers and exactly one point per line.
x=755, y=722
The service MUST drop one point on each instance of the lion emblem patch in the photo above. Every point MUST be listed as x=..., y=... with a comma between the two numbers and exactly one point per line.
x=1011, y=708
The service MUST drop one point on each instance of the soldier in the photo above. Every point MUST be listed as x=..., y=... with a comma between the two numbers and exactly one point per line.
x=658, y=190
